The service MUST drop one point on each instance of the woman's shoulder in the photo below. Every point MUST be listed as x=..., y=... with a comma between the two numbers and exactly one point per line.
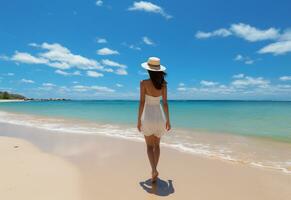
x=144, y=81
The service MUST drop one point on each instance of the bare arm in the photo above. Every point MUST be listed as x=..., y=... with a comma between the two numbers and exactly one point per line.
x=141, y=104
x=166, y=107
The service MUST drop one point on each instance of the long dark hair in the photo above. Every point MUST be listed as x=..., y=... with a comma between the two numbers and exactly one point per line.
x=157, y=78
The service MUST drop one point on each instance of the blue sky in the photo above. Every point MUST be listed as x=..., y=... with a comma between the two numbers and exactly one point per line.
x=93, y=49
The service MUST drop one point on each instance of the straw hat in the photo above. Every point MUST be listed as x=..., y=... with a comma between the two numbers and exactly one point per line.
x=153, y=64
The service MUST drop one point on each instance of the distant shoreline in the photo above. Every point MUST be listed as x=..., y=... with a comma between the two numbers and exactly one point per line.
x=11, y=100
x=170, y=100
x=22, y=100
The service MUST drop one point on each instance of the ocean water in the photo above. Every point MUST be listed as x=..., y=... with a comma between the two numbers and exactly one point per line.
x=255, y=118
x=257, y=133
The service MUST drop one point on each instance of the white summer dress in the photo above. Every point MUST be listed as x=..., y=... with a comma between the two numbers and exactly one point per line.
x=153, y=120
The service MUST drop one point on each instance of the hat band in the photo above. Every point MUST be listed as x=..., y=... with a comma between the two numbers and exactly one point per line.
x=154, y=66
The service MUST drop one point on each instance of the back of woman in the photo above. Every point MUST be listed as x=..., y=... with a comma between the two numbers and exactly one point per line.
x=153, y=118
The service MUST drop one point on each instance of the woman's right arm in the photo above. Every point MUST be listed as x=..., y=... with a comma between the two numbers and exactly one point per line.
x=141, y=105
x=166, y=107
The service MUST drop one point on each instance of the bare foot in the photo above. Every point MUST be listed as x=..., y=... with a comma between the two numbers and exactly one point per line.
x=155, y=175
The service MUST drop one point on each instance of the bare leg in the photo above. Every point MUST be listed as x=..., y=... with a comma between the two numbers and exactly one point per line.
x=156, y=150
x=156, y=156
x=150, y=151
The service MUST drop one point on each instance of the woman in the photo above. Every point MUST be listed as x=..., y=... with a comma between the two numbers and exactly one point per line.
x=153, y=122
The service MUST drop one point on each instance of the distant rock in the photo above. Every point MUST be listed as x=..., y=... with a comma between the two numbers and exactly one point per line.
x=7, y=95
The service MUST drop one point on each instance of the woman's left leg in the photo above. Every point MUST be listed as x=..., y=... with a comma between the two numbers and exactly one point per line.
x=156, y=142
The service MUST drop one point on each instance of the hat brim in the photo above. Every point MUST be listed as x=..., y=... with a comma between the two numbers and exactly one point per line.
x=147, y=67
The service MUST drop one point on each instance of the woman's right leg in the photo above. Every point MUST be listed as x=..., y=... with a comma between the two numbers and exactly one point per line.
x=150, y=151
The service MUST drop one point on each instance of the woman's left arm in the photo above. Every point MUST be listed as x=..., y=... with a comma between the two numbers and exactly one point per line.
x=165, y=106
x=141, y=105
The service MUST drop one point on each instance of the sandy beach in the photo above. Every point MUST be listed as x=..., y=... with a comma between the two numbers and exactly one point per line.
x=28, y=173
x=100, y=167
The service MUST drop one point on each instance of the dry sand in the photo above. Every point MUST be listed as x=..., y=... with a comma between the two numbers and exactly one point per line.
x=116, y=169
x=28, y=173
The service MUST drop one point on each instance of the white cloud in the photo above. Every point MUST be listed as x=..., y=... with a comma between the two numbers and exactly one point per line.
x=285, y=78
x=95, y=88
x=107, y=51
x=188, y=89
x=242, y=87
x=121, y=72
x=219, y=33
x=254, y=34
x=249, y=62
x=181, y=89
x=277, y=48
x=149, y=7
x=132, y=46
x=101, y=40
x=250, y=81
x=56, y=56
x=108, y=70
x=121, y=67
x=10, y=74
x=238, y=57
x=60, y=65
x=181, y=84
x=147, y=41
x=244, y=31
x=238, y=76
x=28, y=58
x=99, y=3
x=94, y=74
x=208, y=83
x=282, y=44
x=64, y=73
x=48, y=85
x=27, y=81
x=61, y=57
x=218, y=89
x=118, y=85
x=112, y=63
x=286, y=36
x=4, y=57
x=245, y=59
x=284, y=86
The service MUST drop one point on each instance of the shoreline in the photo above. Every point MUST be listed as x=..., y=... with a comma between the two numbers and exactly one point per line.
x=128, y=125
x=226, y=147
x=11, y=100
x=107, y=164
x=276, y=138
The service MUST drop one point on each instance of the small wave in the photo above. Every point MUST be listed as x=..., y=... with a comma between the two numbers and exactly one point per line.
x=184, y=143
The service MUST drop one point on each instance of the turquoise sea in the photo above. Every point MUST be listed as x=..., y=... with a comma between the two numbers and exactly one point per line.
x=252, y=132
x=255, y=118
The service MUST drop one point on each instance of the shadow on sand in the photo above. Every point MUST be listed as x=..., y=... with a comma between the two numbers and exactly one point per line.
x=160, y=187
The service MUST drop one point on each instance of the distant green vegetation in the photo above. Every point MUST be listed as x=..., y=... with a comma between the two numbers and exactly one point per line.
x=6, y=95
